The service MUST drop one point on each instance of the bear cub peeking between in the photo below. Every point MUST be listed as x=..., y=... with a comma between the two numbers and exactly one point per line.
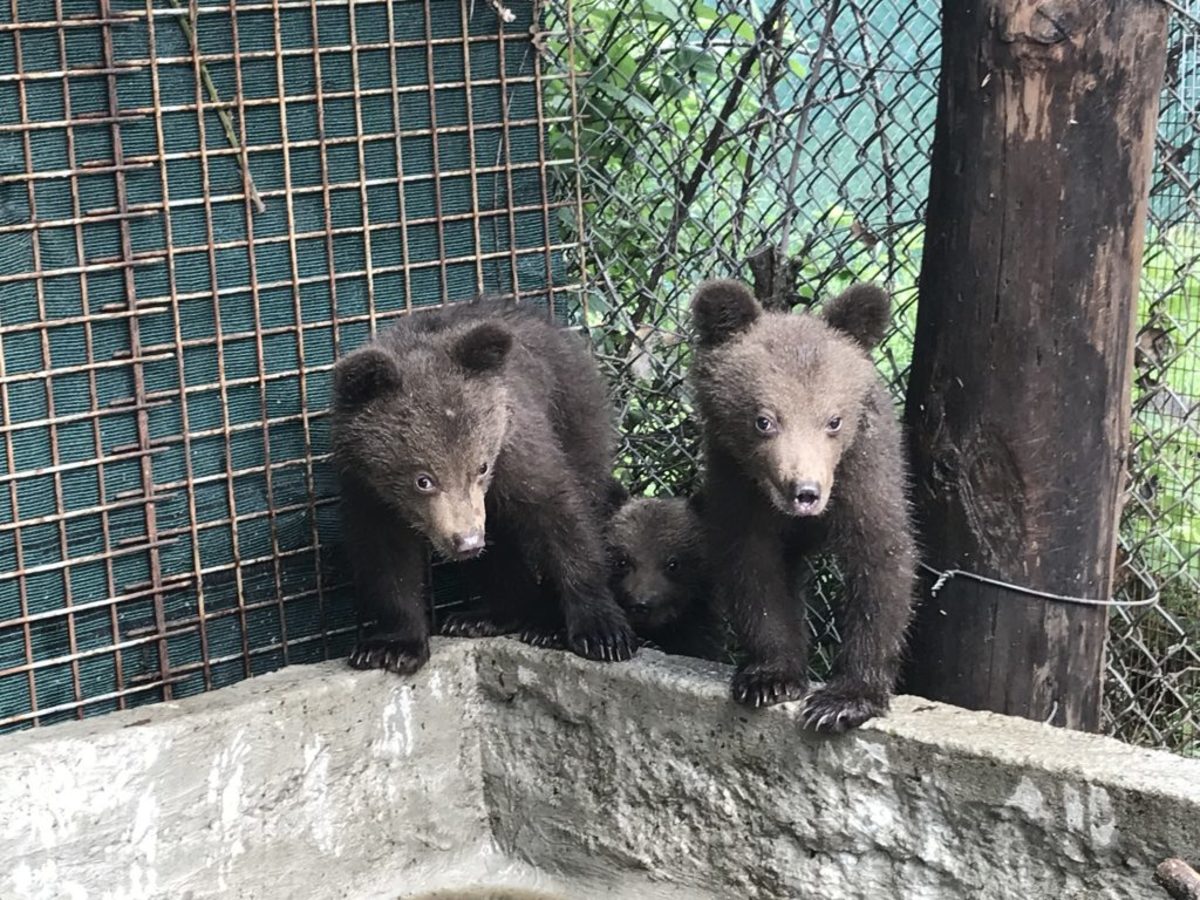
x=803, y=454
x=479, y=428
x=660, y=577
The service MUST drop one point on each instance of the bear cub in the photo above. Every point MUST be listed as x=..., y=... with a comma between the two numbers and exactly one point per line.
x=803, y=454
x=478, y=428
x=660, y=576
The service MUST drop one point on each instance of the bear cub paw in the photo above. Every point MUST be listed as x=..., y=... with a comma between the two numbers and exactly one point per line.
x=762, y=685
x=475, y=625
x=843, y=705
x=603, y=638
x=400, y=655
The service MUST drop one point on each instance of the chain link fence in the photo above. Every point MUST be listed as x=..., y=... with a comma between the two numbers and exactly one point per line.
x=788, y=143
x=1153, y=691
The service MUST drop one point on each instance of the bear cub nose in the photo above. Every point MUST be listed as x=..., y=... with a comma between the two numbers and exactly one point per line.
x=468, y=544
x=805, y=494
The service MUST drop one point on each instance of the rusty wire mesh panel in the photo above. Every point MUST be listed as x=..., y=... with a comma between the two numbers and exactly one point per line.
x=710, y=130
x=201, y=208
x=1154, y=653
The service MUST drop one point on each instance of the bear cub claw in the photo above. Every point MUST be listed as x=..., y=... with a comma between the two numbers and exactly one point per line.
x=475, y=625
x=546, y=638
x=604, y=639
x=840, y=707
x=400, y=655
x=760, y=686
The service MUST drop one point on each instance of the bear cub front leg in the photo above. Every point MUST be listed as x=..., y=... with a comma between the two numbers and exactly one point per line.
x=389, y=562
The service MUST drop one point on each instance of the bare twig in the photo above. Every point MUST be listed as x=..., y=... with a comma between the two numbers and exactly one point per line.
x=833, y=7
x=1181, y=12
x=187, y=24
x=771, y=76
x=687, y=190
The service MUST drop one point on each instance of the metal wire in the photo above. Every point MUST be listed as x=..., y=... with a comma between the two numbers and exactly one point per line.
x=201, y=207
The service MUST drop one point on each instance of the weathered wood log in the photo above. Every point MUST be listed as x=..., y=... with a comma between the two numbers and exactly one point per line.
x=1019, y=398
x=1178, y=879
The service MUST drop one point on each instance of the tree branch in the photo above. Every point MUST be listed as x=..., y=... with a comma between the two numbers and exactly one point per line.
x=687, y=190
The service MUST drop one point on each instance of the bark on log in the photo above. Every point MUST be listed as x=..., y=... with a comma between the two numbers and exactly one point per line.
x=1019, y=398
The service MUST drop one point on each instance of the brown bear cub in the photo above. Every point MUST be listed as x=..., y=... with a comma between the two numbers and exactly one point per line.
x=478, y=427
x=659, y=575
x=803, y=454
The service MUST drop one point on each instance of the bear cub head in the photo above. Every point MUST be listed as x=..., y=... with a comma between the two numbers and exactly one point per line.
x=657, y=561
x=422, y=427
x=785, y=396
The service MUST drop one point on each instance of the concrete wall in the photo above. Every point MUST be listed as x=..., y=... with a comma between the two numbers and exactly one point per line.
x=309, y=782
x=503, y=766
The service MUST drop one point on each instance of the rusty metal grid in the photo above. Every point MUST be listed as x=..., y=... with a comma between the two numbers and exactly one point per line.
x=201, y=207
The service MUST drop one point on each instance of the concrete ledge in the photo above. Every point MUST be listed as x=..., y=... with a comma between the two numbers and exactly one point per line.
x=513, y=769
x=309, y=782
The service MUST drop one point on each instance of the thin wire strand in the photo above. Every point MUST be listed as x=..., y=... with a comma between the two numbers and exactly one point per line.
x=944, y=576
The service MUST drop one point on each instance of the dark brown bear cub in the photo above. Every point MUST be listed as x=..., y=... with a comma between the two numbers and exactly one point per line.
x=478, y=427
x=659, y=575
x=803, y=454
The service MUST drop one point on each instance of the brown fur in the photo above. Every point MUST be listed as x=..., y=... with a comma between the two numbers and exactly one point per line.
x=660, y=576
x=803, y=455
x=478, y=422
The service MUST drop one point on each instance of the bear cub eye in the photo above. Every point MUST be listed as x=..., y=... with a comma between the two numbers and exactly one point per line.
x=483, y=468
x=672, y=564
x=765, y=424
x=425, y=484
x=834, y=425
x=621, y=562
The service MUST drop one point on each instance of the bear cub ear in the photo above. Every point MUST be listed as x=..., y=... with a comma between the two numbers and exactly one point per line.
x=862, y=311
x=362, y=376
x=483, y=349
x=722, y=309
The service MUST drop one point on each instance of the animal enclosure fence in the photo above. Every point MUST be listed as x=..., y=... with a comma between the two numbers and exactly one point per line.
x=788, y=142
x=202, y=205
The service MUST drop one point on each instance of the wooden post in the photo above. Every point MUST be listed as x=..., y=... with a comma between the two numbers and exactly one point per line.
x=1018, y=405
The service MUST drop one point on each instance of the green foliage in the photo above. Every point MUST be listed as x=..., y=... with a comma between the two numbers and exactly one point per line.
x=1162, y=523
